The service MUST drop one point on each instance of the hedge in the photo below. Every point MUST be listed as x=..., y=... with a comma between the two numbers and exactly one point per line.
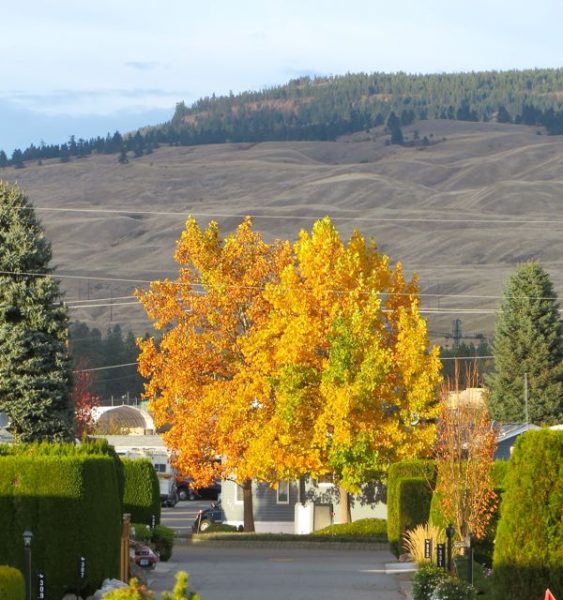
x=363, y=528
x=407, y=469
x=12, y=585
x=163, y=541
x=415, y=495
x=528, y=556
x=69, y=499
x=141, y=495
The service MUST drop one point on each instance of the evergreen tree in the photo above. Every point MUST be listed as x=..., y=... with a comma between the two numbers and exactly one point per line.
x=528, y=339
x=35, y=372
x=3, y=159
x=394, y=126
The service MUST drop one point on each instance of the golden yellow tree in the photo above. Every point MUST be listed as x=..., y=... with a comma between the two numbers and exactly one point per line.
x=198, y=381
x=343, y=365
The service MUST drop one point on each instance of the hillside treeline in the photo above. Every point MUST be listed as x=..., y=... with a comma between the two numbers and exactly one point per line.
x=323, y=108
x=90, y=349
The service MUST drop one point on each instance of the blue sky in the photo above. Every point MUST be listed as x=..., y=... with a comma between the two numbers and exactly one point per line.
x=90, y=66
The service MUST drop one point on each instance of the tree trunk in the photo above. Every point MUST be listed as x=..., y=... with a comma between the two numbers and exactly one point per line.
x=344, y=510
x=247, y=503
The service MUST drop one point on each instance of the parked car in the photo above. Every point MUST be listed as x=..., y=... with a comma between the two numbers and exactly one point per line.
x=186, y=490
x=213, y=514
x=168, y=491
x=145, y=557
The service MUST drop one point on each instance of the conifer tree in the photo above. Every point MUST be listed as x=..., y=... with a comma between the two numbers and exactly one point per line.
x=35, y=373
x=528, y=339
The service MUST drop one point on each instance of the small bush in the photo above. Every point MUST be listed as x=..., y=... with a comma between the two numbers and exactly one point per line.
x=407, y=469
x=137, y=591
x=376, y=528
x=528, y=555
x=414, y=541
x=163, y=541
x=141, y=532
x=12, y=585
x=219, y=528
x=454, y=589
x=425, y=581
x=141, y=496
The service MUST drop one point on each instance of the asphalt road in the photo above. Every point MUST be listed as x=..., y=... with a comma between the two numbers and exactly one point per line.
x=181, y=517
x=247, y=573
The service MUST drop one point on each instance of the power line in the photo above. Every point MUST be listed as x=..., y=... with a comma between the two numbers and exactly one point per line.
x=105, y=368
x=232, y=286
x=441, y=220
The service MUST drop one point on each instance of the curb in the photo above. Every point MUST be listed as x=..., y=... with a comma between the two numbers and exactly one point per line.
x=336, y=546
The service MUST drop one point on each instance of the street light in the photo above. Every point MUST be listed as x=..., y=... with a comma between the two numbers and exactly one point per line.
x=27, y=535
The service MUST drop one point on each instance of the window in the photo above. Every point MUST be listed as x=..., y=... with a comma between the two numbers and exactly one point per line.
x=283, y=492
x=239, y=498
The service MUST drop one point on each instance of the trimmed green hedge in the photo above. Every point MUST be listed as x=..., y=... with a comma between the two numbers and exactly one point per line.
x=528, y=556
x=415, y=495
x=364, y=528
x=141, y=496
x=163, y=541
x=407, y=469
x=69, y=499
x=12, y=585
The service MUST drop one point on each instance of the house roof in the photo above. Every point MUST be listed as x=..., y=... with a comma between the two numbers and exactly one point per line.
x=510, y=430
x=149, y=444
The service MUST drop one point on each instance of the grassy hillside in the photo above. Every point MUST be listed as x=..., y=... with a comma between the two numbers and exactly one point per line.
x=444, y=210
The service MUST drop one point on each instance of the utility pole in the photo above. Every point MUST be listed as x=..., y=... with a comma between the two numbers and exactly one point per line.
x=526, y=396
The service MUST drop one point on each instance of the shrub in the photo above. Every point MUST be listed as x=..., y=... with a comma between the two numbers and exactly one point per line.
x=163, y=541
x=528, y=555
x=141, y=532
x=425, y=581
x=483, y=549
x=415, y=495
x=454, y=589
x=141, y=496
x=407, y=469
x=219, y=528
x=137, y=591
x=12, y=585
x=361, y=528
x=69, y=499
x=414, y=541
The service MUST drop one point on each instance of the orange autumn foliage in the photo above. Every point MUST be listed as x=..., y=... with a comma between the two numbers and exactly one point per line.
x=197, y=373
x=464, y=457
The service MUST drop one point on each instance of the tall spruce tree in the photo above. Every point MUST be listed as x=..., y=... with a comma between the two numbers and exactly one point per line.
x=35, y=372
x=528, y=339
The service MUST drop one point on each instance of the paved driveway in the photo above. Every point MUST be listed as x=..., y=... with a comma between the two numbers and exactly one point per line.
x=232, y=573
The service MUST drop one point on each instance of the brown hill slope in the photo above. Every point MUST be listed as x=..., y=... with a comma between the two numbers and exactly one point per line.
x=419, y=203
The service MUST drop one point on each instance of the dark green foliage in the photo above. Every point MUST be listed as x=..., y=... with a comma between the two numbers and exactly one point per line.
x=407, y=469
x=528, y=339
x=219, y=528
x=368, y=528
x=91, y=347
x=425, y=581
x=483, y=549
x=35, y=371
x=12, y=586
x=140, y=532
x=528, y=556
x=163, y=541
x=436, y=517
x=325, y=107
x=415, y=495
x=479, y=367
x=70, y=502
x=394, y=126
x=141, y=496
